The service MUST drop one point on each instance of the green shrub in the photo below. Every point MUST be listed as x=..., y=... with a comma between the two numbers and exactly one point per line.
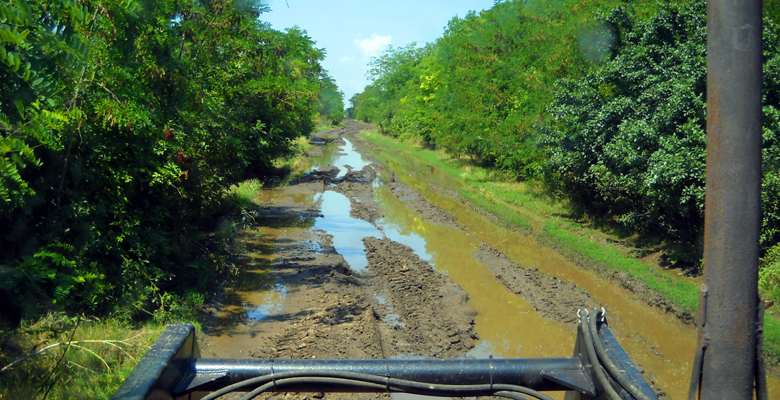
x=246, y=192
x=769, y=274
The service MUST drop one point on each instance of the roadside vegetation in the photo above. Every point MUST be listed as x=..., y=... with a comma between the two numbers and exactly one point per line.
x=598, y=105
x=132, y=138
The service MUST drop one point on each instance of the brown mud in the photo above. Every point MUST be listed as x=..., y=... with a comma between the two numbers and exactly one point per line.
x=551, y=297
x=329, y=310
x=437, y=323
x=349, y=262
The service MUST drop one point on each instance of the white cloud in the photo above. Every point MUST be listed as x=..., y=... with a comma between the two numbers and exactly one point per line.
x=374, y=46
x=347, y=59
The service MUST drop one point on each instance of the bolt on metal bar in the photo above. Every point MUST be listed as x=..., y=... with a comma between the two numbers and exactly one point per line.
x=733, y=197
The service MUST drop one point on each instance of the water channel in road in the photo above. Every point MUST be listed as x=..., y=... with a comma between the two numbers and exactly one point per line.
x=507, y=324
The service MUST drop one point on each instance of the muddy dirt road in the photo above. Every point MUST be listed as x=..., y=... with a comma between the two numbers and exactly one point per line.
x=362, y=260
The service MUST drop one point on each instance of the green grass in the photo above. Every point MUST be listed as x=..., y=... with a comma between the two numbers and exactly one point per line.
x=683, y=292
x=772, y=338
x=505, y=214
x=245, y=192
x=100, y=357
x=525, y=196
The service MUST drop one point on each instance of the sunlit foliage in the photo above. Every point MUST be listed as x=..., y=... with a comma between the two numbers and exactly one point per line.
x=603, y=102
x=123, y=123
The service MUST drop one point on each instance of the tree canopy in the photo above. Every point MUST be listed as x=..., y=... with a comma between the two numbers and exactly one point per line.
x=123, y=123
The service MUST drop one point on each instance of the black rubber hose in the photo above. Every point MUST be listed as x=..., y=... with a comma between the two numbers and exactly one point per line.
x=398, y=384
x=363, y=385
x=308, y=379
x=613, y=370
x=594, y=361
x=510, y=395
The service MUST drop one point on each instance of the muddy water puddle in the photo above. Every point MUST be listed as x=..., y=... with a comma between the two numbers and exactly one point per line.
x=347, y=232
x=253, y=293
x=343, y=157
x=507, y=325
x=658, y=341
x=505, y=321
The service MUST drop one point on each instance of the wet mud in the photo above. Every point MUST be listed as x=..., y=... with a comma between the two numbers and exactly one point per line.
x=352, y=261
x=551, y=297
x=423, y=312
x=330, y=309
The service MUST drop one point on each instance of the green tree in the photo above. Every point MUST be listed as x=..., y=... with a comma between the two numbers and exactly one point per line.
x=123, y=125
x=331, y=101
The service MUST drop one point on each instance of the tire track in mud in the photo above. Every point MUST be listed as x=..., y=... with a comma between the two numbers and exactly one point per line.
x=400, y=306
x=551, y=297
x=423, y=312
x=330, y=311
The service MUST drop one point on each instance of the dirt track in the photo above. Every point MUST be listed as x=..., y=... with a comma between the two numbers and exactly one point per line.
x=398, y=306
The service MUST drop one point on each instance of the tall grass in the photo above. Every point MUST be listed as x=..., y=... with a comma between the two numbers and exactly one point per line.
x=246, y=192
x=86, y=358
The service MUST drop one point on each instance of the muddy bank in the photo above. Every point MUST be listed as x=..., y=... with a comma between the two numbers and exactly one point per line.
x=551, y=297
x=423, y=312
x=638, y=289
x=330, y=309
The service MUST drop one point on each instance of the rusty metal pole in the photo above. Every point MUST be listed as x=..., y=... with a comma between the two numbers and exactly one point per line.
x=733, y=198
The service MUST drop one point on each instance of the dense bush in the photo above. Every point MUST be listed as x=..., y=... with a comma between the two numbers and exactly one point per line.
x=629, y=139
x=331, y=100
x=481, y=88
x=123, y=123
x=606, y=107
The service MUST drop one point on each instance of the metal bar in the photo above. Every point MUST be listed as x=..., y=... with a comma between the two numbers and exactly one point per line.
x=733, y=198
x=163, y=366
x=523, y=372
x=172, y=370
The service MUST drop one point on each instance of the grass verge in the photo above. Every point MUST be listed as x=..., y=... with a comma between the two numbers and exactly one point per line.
x=81, y=358
x=682, y=292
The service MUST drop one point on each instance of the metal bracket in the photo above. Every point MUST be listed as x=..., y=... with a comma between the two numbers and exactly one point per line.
x=573, y=379
x=201, y=381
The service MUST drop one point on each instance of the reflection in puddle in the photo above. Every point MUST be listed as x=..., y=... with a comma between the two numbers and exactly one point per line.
x=271, y=304
x=347, y=232
x=350, y=158
x=344, y=157
x=253, y=294
x=391, y=318
x=400, y=234
x=482, y=351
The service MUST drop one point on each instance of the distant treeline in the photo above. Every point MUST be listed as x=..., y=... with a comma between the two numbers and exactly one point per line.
x=602, y=101
x=122, y=124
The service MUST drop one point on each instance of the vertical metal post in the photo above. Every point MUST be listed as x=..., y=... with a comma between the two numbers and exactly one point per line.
x=733, y=199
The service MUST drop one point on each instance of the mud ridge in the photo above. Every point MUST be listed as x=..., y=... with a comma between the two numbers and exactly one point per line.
x=551, y=297
x=420, y=205
x=433, y=316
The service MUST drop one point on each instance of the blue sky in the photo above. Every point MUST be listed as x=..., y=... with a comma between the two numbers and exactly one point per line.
x=353, y=31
